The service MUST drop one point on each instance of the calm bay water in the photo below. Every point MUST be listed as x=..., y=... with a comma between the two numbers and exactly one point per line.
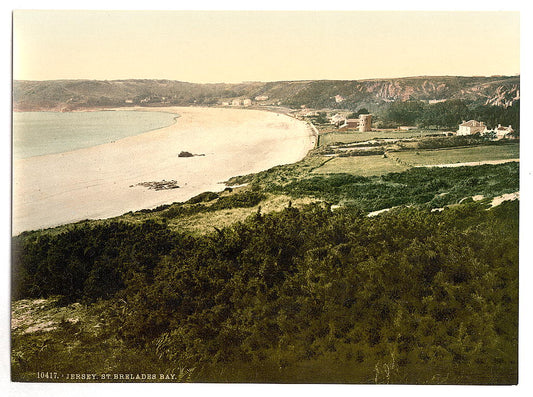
x=39, y=133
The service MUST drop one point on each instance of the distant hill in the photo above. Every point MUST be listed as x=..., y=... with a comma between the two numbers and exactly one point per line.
x=373, y=94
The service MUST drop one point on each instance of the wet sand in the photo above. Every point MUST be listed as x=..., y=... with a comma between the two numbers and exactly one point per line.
x=97, y=182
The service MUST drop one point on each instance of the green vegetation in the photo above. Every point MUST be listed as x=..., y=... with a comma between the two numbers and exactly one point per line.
x=355, y=115
x=351, y=137
x=460, y=155
x=405, y=113
x=204, y=222
x=361, y=165
x=443, y=142
x=296, y=296
x=431, y=187
x=320, y=119
x=58, y=340
x=449, y=114
x=283, y=173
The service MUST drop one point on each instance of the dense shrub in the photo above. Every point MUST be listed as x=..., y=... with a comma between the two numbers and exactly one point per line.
x=195, y=205
x=203, y=197
x=417, y=185
x=86, y=262
x=452, y=141
x=412, y=290
x=239, y=200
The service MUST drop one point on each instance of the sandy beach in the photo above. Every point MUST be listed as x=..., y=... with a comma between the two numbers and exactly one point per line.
x=102, y=181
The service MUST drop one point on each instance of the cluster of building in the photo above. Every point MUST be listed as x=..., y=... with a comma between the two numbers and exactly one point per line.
x=148, y=99
x=474, y=127
x=363, y=123
x=244, y=101
x=238, y=102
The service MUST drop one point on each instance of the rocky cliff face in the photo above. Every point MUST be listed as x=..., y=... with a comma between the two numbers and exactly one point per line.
x=499, y=92
x=504, y=96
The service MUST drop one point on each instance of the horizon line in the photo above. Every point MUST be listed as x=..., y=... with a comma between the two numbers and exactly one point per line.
x=265, y=81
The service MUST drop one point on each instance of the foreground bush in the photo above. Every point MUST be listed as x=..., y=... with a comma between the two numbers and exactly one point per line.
x=410, y=296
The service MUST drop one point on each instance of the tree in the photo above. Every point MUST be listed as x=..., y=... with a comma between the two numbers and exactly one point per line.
x=321, y=118
x=355, y=115
x=405, y=113
x=448, y=114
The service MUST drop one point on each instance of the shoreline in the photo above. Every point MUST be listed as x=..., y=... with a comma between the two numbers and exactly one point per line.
x=174, y=120
x=95, y=182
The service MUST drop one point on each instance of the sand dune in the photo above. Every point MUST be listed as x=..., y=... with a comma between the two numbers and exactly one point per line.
x=96, y=182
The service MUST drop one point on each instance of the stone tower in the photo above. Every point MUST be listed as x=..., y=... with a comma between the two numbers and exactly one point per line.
x=365, y=122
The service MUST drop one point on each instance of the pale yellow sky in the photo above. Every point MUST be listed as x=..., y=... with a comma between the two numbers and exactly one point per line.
x=226, y=46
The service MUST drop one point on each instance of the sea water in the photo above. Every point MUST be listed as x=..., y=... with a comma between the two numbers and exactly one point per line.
x=40, y=133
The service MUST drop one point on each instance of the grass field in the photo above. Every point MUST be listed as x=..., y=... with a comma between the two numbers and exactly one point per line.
x=361, y=165
x=349, y=137
x=461, y=155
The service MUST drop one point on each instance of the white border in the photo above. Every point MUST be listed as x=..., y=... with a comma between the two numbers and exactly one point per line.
x=59, y=390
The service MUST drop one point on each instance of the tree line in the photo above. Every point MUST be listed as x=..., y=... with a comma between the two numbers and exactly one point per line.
x=449, y=114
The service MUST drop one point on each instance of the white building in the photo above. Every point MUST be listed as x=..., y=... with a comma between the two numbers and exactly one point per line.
x=337, y=119
x=261, y=98
x=471, y=127
x=246, y=102
x=503, y=132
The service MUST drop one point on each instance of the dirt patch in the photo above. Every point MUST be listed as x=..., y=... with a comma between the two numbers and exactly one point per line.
x=505, y=197
x=43, y=315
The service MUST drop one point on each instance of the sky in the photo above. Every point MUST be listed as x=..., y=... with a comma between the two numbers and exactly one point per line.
x=235, y=46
